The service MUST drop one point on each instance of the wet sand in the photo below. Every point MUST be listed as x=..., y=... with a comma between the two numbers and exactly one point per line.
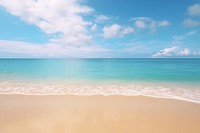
x=97, y=114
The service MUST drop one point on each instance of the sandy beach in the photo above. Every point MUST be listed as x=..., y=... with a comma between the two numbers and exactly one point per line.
x=97, y=114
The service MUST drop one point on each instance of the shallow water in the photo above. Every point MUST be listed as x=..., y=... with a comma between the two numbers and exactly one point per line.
x=167, y=78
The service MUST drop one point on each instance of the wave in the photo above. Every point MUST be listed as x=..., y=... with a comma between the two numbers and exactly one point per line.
x=159, y=90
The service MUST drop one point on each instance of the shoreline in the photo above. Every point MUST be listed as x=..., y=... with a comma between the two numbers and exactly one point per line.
x=166, y=90
x=83, y=95
x=100, y=114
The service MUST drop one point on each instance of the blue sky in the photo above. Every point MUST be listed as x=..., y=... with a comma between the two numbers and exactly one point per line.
x=93, y=28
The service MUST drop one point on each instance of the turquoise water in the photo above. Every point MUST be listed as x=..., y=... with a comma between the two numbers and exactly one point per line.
x=172, y=70
x=163, y=77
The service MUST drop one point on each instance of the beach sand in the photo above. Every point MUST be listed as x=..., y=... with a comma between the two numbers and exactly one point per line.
x=97, y=114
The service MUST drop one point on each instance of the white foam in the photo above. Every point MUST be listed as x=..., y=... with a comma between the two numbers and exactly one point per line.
x=165, y=90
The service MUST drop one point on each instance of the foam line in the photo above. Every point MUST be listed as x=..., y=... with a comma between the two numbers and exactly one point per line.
x=187, y=93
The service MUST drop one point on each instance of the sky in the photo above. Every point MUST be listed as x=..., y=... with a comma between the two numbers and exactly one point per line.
x=99, y=28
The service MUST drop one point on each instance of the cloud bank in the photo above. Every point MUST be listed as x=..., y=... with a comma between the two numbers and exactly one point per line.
x=63, y=19
x=77, y=30
x=176, y=52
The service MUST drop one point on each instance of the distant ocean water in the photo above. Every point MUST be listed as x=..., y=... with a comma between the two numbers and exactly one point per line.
x=161, y=77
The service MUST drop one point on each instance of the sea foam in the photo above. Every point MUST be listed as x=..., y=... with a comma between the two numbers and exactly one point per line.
x=158, y=90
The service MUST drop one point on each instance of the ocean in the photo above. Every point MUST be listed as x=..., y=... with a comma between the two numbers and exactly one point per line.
x=177, y=78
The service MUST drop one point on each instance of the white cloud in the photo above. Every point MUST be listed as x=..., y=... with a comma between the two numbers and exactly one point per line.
x=176, y=52
x=185, y=52
x=115, y=31
x=50, y=49
x=63, y=18
x=191, y=22
x=196, y=53
x=102, y=18
x=127, y=30
x=166, y=52
x=194, y=10
x=149, y=23
x=140, y=24
x=94, y=27
x=163, y=23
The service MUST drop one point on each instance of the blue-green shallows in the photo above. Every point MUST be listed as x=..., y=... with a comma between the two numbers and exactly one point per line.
x=163, y=69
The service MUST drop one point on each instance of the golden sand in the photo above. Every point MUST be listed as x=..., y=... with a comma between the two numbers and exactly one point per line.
x=97, y=114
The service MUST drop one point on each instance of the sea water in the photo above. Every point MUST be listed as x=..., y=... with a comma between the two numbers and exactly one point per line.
x=158, y=77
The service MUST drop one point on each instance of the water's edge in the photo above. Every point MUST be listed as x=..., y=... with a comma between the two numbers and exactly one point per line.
x=189, y=93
